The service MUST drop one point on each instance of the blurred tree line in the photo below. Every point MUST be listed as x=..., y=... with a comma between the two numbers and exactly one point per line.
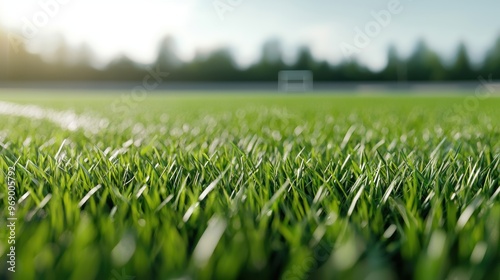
x=18, y=64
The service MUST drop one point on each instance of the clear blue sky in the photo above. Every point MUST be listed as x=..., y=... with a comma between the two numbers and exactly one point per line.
x=134, y=27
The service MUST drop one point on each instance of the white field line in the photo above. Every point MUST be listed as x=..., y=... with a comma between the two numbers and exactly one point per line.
x=67, y=120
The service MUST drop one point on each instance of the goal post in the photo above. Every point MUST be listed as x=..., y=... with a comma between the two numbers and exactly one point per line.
x=295, y=80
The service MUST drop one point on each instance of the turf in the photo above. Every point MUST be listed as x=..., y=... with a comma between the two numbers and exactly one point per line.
x=255, y=187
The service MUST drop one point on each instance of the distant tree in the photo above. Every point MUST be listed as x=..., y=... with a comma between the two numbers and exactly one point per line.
x=60, y=53
x=4, y=49
x=24, y=65
x=272, y=52
x=323, y=72
x=217, y=66
x=167, y=59
x=270, y=63
x=305, y=60
x=123, y=69
x=424, y=64
x=462, y=69
x=351, y=70
x=395, y=69
x=492, y=61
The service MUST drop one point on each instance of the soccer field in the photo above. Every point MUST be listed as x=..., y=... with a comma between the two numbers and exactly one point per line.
x=202, y=186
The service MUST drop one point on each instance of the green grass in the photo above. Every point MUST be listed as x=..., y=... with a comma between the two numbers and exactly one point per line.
x=256, y=187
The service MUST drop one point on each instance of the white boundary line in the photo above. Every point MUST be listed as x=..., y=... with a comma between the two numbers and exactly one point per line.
x=67, y=120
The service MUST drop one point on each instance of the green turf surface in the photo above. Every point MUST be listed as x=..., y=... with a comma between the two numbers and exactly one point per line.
x=254, y=187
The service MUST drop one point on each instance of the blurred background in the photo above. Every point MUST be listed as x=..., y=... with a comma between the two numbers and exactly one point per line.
x=117, y=41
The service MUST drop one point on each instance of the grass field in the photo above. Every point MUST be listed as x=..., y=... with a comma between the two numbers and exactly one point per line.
x=251, y=186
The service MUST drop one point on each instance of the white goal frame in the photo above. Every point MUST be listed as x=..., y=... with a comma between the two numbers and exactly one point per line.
x=295, y=80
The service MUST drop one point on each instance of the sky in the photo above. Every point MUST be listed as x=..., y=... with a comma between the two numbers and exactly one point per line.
x=334, y=30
